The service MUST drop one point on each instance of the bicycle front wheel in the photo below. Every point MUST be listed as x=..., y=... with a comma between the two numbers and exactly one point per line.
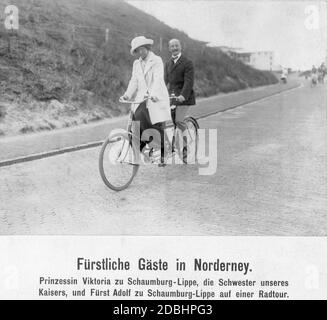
x=117, y=162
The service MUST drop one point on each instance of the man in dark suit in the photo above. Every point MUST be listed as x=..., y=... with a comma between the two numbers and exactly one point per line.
x=179, y=78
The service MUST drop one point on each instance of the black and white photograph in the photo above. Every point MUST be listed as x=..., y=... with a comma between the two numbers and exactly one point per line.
x=250, y=74
x=163, y=118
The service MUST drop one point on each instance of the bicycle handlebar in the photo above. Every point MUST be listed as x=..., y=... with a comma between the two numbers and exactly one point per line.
x=132, y=102
x=139, y=102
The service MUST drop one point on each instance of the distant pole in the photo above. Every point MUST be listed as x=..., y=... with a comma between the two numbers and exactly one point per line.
x=325, y=26
x=73, y=33
x=11, y=22
x=8, y=43
x=160, y=44
x=107, y=35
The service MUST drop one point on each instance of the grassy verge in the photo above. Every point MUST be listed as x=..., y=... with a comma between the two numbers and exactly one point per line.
x=58, y=71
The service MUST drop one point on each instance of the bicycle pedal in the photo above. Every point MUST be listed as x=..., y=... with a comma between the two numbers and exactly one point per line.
x=146, y=159
x=156, y=154
x=155, y=160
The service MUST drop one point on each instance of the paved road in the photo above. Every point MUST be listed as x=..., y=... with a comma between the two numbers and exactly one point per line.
x=271, y=180
x=30, y=144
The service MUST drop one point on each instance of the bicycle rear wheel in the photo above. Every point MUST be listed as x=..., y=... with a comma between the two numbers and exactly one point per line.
x=117, y=162
x=188, y=150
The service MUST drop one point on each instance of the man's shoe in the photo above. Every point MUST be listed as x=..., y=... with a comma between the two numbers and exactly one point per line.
x=185, y=155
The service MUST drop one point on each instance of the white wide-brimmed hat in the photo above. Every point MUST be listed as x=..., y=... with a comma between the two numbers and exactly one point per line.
x=139, y=42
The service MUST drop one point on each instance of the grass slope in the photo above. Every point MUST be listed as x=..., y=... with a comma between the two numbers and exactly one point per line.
x=57, y=70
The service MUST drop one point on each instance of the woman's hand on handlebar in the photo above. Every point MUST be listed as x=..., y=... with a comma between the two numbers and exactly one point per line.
x=123, y=98
x=154, y=99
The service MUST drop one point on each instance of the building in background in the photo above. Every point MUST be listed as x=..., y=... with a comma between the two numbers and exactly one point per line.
x=262, y=60
x=230, y=51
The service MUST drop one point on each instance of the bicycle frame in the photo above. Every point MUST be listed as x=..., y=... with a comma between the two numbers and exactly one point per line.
x=122, y=151
x=171, y=141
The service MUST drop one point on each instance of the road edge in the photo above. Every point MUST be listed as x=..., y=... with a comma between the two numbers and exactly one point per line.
x=89, y=145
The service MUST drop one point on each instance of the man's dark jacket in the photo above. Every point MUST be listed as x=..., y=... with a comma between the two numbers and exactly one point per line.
x=179, y=78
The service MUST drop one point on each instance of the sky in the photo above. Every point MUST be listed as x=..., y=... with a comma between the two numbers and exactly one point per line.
x=295, y=30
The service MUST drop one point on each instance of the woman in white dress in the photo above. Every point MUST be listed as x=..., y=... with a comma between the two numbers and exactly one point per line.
x=148, y=81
